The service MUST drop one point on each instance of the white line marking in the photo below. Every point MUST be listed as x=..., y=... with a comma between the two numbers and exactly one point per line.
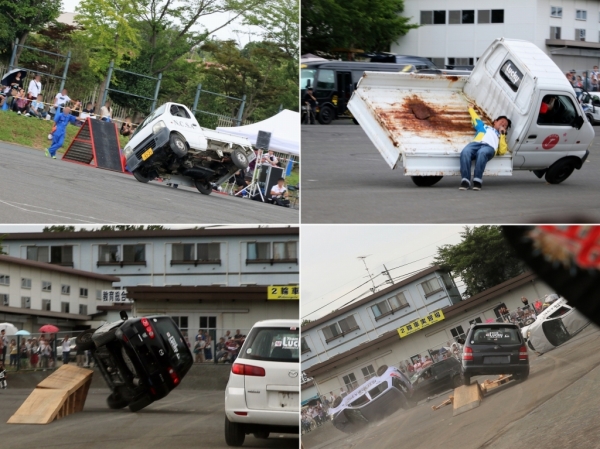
x=54, y=212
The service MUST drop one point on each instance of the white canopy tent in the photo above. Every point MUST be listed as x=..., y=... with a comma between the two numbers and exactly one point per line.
x=284, y=128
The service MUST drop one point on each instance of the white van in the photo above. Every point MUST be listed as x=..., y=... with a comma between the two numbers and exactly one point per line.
x=512, y=78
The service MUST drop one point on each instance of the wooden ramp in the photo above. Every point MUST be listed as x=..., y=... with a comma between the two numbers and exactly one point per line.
x=466, y=398
x=60, y=394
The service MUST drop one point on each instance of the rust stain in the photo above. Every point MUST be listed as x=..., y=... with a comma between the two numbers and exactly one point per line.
x=452, y=78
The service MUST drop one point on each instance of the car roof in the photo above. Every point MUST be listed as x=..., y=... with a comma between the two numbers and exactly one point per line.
x=277, y=323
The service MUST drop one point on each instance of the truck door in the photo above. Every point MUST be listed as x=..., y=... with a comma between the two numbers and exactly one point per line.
x=344, y=89
x=551, y=130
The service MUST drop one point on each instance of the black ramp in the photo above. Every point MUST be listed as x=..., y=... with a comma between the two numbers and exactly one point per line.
x=106, y=144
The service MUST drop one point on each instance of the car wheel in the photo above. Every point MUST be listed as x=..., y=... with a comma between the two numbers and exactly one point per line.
x=136, y=406
x=425, y=181
x=560, y=170
x=203, y=186
x=325, y=115
x=234, y=433
x=239, y=159
x=137, y=174
x=382, y=369
x=457, y=381
x=105, y=338
x=84, y=340
x=521, y=376
x=178, y=145
x=116, y=401
x=590, y=117
x=466, y=379
x=263, y=435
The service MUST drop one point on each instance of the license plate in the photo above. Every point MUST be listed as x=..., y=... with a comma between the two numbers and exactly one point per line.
x=146, y=154
x=251, y=156
x=494, y=360
x=288, y=399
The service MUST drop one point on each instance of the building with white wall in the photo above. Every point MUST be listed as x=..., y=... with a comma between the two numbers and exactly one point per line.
x=457, y=32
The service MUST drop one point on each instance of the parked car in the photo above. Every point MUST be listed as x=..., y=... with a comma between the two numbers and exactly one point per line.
x=494, y=348
x=377, y=398
x=141, y=359
x=437, y=378
x=263, y=392
x=170, y=144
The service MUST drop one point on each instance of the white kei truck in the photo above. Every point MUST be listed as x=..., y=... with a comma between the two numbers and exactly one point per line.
x=420, y=121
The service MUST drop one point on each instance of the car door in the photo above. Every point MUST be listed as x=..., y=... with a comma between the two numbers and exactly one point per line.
x=425, y=384
x=183, y=122
x=442, y=375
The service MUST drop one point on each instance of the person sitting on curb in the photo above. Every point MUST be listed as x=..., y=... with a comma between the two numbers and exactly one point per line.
x=62, y=119
x=488, y=142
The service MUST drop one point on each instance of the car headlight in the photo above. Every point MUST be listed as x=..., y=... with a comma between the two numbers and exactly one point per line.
x=528, y=334
x=127, y=152
x=158, y=126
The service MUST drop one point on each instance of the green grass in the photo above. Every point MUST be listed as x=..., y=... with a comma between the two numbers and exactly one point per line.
x=33, y=132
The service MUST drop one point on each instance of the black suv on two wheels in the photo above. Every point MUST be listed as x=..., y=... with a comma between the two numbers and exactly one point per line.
x=495, y=348
x=141, y=359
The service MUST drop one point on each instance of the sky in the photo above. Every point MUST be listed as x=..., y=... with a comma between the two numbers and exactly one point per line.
x=330, y=267
x=233, y=31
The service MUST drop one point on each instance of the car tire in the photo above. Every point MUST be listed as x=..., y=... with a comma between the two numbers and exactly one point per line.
x=325, y=115
x=84, y=340
x=178, y=145
x=239, y=159
x=234, y=433
x=262, y=435
x=203, y=186
x=590, y=117
x=144, y=401
x=116, y=402
x=105, y=338
x=560, y=170
x=337, y=402
x=521, y=376
x=382, y=369
x=425, y=181
x=466, y=380
x=139, y=176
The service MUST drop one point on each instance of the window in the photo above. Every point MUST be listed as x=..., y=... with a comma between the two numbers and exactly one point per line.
x=83, y=309
x=460, y=61
x=285, y=251
x=209, y=252
x=181, y=321
x=388, y=306
x=65, y=289
x=208, y=322
x=368, y=372
x=579, y=34
x=134, y=254
x=457, y=332
x=183, y=252
x=556, y=110
x=108, y=254
x=61, y=255
x=340, y=328
x=581, y=14
x=176, y=111
x=555, y=11
x=46, y=304
x=495, y=334
x=433, y=17
x=381, y=309
x=99, y=295
x=439, y=62
x=431, y=286
x=37, y=253
x=398, y=302
x=326, y=80
x=554, y=32
x=304, y=346
x=4, y=297
x=490, y=16
x=4, y=279
x=83, y=293
x=350, y=382
x=64, y=307
x=259, y=252
x=46, y=286
x=25, y=302
x=466, y=16
x=476, y=320
x=25, y=283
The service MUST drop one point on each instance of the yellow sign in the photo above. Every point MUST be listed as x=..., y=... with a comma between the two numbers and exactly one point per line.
x=419, y=324
x=283, y=292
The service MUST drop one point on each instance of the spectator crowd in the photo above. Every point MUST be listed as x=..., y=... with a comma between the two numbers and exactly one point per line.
x=225, y=350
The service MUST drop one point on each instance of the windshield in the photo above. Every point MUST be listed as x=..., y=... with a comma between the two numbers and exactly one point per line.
x=179, y=353
x=151, y=117
x=307, y=78
x=495, y=335
x=275, y=344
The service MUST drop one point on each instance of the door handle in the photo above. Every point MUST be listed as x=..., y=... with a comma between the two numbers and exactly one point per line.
x=533, y=136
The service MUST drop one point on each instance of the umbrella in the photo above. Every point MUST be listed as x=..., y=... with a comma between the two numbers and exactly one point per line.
x=22, y=332
x=10, y=76
x=49, y=328
x=9, y=328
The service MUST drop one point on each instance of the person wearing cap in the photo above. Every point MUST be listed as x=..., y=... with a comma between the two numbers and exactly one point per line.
x=311, y=102
x=488, y=142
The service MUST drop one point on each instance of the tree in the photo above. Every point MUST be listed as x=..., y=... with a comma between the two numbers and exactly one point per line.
x=19, y=19
x=366, y=24
x=482, y=260
x=59, y=228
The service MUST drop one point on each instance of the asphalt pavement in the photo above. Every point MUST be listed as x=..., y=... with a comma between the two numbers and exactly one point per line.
x=556, y=407
x=36, y=189
x=184, y=419
x=345, y=180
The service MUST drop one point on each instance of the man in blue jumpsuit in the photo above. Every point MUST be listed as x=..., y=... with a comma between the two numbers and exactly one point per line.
x=62, y=119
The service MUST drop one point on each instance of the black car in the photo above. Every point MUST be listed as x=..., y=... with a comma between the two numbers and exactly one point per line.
x=141, y=359
x=495, y=348
x=437, y=378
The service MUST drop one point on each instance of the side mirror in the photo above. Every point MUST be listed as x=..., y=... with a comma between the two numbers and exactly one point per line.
x=578, y=122
x=123, y=315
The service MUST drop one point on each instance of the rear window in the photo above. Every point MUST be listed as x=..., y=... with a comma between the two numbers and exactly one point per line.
x=495, y=335
x=275, y=344
x=360, y=401
x=374, y=392
x=179, y=353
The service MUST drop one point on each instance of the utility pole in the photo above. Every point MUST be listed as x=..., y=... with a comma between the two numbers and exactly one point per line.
x=387, y=273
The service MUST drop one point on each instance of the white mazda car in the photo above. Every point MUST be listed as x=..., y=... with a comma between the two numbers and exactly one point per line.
x=262, y=395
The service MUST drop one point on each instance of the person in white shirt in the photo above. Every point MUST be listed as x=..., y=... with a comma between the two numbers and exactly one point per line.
x=35, y=87
x=270, y=159
x=60, y=100
x=279, y=194
x=106, y=112
x=66, y=349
